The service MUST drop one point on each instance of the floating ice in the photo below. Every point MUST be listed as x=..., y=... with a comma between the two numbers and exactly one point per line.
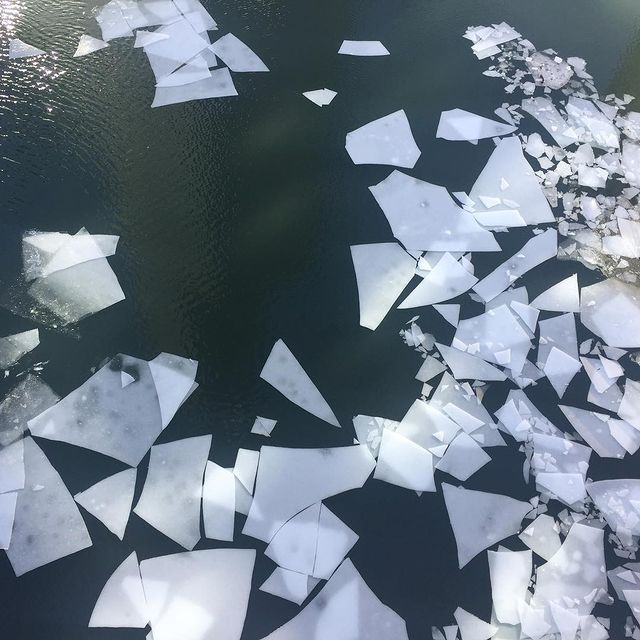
x=383, y=270
x=510, y=573
x=471, y=627
x=567, y=487
x=481, y=519
x=466, y=366
x=110, y=500
x=619, y=503
x=283, y=372
x=591, y=125
x=629, y=408
x=552, y=73
x=363, y=48
x=427, y=426
x=387, y=140
x=122, y=602
x=563, y=296
x=594, y=428
x=321, y=97
x=458, y=124
x=463, y=457
x=219, y=84
x=170, y=500
x=558, y=455
x=14, y=347
x=246, y=467
x=112, y=22
x=450, y=312
x=236, y=55
x=144, y=38
x=198, y=595
x=424, y=217
x=192, y=71
x=7, y=515
x=369, y=431
x=12, y=467
x=560, y=368
x=542, y=537
x=20, y=49
x=263, y=426
x=88, y=44
x=543, y=110
x=218, y=502
x=287, y=584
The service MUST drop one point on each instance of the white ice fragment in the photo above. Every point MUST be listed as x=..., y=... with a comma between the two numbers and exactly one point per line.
x=458, y=124
x=594, y=428
x=126, y=379
x=218, y=502
x=145, y=38
x=321, y=97
x=527, y=313
x=542, y=537
x=217, y=85
x=14, y=347
x=593, y=177
x=632, y=596
x=192, y=71
x=500, y=218
x=198, y=595
x=629, y=408
x=20, y=49
x=88, y=44
x=560, y=368
x=363, y=48
x=7, y=514
x=450, y=312
x=112, y=21
x=174, y=380
x=619, y=503
x=170, y=500
x=544, y=111
x=510, y=573
x=110, y=500
x=263, y=426
x=383, y=270
x=237, y=55
x=567, y=487
x=566, y=621
x=335, y=540
x=471, y=627
x=12, y=467
x=387, y=140
x=558, y=332
x=481, y=519
x=467, y=366
x=287, y=584
x=404, y=463
x=122, y=602
x=563, y=296
x=463, y=457
x=429, y=369
x=246, y=467
x=369, y=431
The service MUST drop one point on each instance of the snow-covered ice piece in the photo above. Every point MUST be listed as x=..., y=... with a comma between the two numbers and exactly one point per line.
x=20, y=49
x=237, y=55
x=467, y=366
x=542, y=536
x=594, y=428
x=383, y=270
x=387, y=140
x=458, y=124
x=263, y=426
x=110, y=500
x=88, y=44
x=14, y=347
x=217, y=85
x=481, y=519
x=121, y=602
x=463, y=457
x=321, y=97
x=218, y=502
x=510, y=573
x=363, y=48
x=563, y=296
x=473, y=628
x=290, y=585
x=170, y=500
x=284, y=373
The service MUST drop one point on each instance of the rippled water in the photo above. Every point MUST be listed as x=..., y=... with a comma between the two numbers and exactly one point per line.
x=236, y=216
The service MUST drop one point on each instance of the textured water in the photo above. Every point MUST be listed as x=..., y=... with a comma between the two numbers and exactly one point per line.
x=236, y=217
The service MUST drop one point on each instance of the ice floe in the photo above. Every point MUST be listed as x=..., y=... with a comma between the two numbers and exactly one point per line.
x=219, y=502
x=14, y=347
x=321, y=97
x=363, y=48
x=88, y=44
x=20, y=49
x=458, y=124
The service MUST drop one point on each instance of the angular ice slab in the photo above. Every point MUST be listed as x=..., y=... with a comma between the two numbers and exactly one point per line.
x=20, y=49
x=263, y=426
x=563, y=296
x=112, y=22
x=448, y=279
x=508, y=176
x=47, y=525
x=463, y=457
x=12, y=348
x=110, y=500
x=619, y=503
x=12, y=467
x=611, y=309
x=387, y=140
x=481, y=519
x=424, y=217
x=284, y=373
x=192, y=71
x=198, y=595
x=237, y=55
x=594, y=428
x=290, y=585
x=218, y=85
x=321, y=97
x=539, y=249
x=542, y=537
x=473, y=628
x=289, y=480
x=510, y=573
x=458, y=124
x=102, y=415
x=218, y=502
x=170, y=500
x=345, y=609
x=383, y=270
x=363, y=48
x=469, y=367
x=7, y=515
x=88, y=44
x=121, y=602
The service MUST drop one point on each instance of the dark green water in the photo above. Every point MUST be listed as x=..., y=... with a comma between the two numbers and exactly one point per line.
x=236, y=217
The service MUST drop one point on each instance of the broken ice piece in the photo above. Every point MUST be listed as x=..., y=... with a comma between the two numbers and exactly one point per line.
x=463, y=457
x=289, y=585
x=88, y=44
x=192, y=71
x=594, y=429
x=145, y=38
x=542, y=536
x=218, y=502
x=471, y=627
x=246, y=467
x=217, y=85
x=467, y=366
x=263, y=426
x=567, y=487
x=560, y=368
x=618, y=502
x=7, y=515
x=363, y=48
x=563, y=296
x=20, y=49
x=450, y=312
x=369, y=431
x=321, y=97
x=237, y=55
x=458, y=124
x=13, y=347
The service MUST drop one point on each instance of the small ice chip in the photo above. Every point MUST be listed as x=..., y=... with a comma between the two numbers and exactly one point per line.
x=88, y=44
x=363, y=48
x=20, y=49
x=321, y=97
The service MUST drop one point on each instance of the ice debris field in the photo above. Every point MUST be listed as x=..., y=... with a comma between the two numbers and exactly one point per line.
x=555, y=563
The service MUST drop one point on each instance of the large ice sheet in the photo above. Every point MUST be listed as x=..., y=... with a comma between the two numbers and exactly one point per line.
x=198, y=595
x=14, y=347
x=289, y=480
x=218, y=502
x=170, y=500
x=458, y=124
x=424, y=217
x=594, y=428
x=219, y=84
x=47, y=525
x=481, y=519
x=363, y=48
x=237, y=55
x=383, y=270
x=387, y=140
x=283, y=372
x=345, y=609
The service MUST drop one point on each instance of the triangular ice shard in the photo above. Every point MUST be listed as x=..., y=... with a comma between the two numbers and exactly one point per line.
x=110, y=500
x=335, y=539
x=363, y=48
x=7, y=515
x=542, y=536
x=12, y=348
x=217, y=85
x=289, y=585
x=283, y=372
x=246, y=467
x=481, y=519
x=321, y=97
x=450, y=312
x=145, y=38
x=463, y=457
x=237, y=55
x=458, y=124
x=20, y=49
x=12, y=467
x=563, y=296
x=510, y=573
x=467, y=366
x=560, y=368
x=88, y=44
x=192, y=71
x=263, y=426
x=618, y=501
x=594, y=428
x=471, y=627
x=122, y=602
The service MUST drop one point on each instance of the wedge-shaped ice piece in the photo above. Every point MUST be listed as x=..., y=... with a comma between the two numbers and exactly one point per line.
x=404, y=463
x=145, y=38
x=121, y=602
x=289, y=585
x=564, y=579
x=159, y=11
x=7, y=515
x=387, y=140
x=448, y=279
x=321, y=97
x=246, y=467
x=363, y=48
x=463, y=457
x=567, y=487
x=283, y=372
x=218, y=502
x=430, y=369
x=508, y=176
x=465, y=366
x=539, y=249
x=369, y=431
x=170, y=500
x=103, y=416
x=345, y=609
x=473, y=628
x=450, y=312
x=424, y=217
x=594, y=428
x=20, y=49
x=632, y=596
x=263, y=426
x=629, y=408
x=544, y=111
x=591, y=125
x=112, y=22
x=563, y=296
x=458, y=124
x=311, y=476
x=480, y=519
x=383, y=270
x=542, y=537
x=335, y=540
x=198, y=595
x=88, y=44
x=193, y=9
x=237, y=55
x=12, y=467
x=110, y=500
x=510, y=573
x=47, y=525
x=192, y=71
x=560, y=368
x=12, y=348
x=218, y=85
x=558, y=332
x=611, y=309
x=619, y=503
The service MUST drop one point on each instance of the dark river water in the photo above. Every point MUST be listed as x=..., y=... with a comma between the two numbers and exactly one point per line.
x=236, y=217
